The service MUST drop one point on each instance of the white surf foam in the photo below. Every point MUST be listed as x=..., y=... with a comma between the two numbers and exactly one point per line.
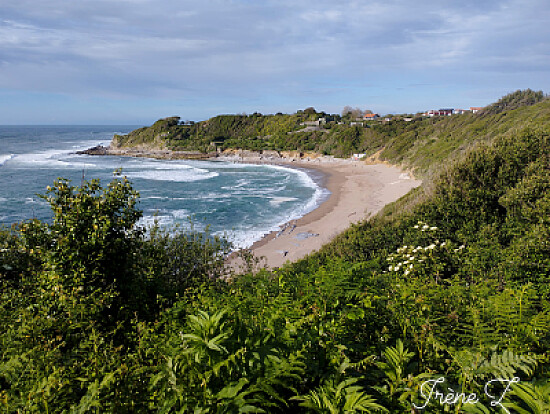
x=40, y=201
x=155, y=198
x=49, y=159
x=244, y=238
x=180, y=214
x=83, y=145
x=223, y=165
x=254, y=191
x=320, y=194
x=211, y=196
x=150, y=220
x=5, y=157
x=150, y=164
x=175, y=175
x=276, y=201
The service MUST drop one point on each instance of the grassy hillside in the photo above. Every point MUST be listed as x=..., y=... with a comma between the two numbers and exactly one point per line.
x=451, y=282
x=424, y=144
x=431, y=143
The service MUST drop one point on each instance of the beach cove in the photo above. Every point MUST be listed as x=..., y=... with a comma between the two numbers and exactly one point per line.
x=358, y=190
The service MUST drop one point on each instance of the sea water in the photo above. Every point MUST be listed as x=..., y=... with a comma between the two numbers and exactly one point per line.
x=239, y=201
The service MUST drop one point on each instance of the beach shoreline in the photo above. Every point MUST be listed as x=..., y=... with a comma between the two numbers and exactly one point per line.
x=357, y=191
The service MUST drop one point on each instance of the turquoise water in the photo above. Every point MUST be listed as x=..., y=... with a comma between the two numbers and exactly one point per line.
x=242, y=202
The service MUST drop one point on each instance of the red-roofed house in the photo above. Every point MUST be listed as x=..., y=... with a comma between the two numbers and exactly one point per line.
x=371, y=117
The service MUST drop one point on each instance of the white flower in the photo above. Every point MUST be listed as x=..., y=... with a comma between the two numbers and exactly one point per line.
x=407, y=272
x=430, y=247
x=415, y=227
x=390, y=268
x=443, y=244
x=462, y=247
x=433, y=228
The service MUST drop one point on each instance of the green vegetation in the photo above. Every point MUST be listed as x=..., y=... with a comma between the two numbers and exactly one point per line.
x=515, y=100
x=424, y=144
x=451, y=281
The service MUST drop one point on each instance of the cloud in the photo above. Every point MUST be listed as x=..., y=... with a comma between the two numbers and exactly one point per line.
x=169, y=49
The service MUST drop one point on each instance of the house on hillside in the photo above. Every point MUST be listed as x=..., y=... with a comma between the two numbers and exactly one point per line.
x=461, y=111
x=475, y=109
x=439, y=112
x=370, y=117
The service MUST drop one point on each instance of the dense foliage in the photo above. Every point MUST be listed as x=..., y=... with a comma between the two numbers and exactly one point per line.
x=450, y=282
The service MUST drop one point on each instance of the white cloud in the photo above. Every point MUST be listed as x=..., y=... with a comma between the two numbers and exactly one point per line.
x=243, y=48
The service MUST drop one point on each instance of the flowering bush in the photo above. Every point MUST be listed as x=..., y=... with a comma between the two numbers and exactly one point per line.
x=437, y=259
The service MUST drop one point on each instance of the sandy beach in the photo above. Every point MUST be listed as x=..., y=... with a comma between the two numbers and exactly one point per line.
x=357, y=191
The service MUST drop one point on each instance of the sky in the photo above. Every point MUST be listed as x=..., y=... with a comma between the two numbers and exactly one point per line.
x=135, y=61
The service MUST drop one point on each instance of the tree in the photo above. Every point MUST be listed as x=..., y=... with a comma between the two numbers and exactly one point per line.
x=92, y=242
x=347, y=110
x=353, y=113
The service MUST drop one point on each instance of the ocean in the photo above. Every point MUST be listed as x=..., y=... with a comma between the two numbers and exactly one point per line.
x=238, y=201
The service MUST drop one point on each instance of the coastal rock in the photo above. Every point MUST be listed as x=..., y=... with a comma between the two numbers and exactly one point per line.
x=311, y=155
x=291, y=154
x=249, y=154
x=97, y=150
x=271, y=154
x=141, y=152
